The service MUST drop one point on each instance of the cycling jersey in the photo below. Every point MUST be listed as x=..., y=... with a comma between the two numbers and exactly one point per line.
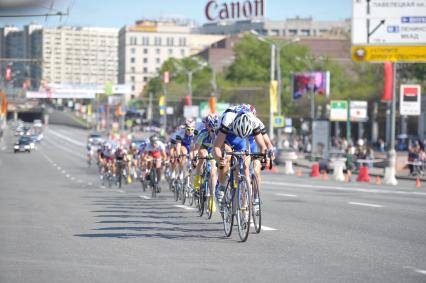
x=226, y=126
x=199, y=126
x=155, y=152
x=206, y=140
x=184, y=139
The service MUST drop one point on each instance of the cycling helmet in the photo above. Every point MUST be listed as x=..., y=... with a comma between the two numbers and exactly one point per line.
x=242, y=125
x=190, y=123
x=153, y=139
x=211, y=121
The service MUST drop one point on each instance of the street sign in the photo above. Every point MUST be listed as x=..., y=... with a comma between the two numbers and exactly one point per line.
x=170, y=110
x=191, y=111
x=388, y=25
x=288, y=127
x=279, y=121
x=389, y=53
x=359, y=111
x=410, y=100
x=338, y=110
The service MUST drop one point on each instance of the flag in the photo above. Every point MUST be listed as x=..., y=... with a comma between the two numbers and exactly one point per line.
x=273, y=96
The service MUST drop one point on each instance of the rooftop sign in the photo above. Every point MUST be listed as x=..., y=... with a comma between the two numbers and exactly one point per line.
x=219, y=11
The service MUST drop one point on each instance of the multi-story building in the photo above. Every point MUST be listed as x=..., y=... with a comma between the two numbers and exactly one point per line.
x=144, y=47
x=302, y=27
x=72, y=55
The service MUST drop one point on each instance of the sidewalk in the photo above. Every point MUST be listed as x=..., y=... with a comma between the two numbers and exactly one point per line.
x=404, y=174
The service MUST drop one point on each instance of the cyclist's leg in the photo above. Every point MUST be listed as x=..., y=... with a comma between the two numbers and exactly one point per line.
x=197, y=178
x=183, y=158
x=157, y=163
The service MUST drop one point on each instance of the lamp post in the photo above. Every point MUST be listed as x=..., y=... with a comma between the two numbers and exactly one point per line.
x=276, y=46
x=189, y=73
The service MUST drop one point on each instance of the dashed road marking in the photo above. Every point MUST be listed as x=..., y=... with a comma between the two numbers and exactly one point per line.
x=64, y=172
x=120, y=191
x=145, y=197
x=366, y=204
x=264, y=228
x=420, y=271
x=68, y=176
x=287, y=195
x=90, y=184
x=185, y=207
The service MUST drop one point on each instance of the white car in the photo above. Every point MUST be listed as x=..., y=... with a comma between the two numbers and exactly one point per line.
x=37, y=123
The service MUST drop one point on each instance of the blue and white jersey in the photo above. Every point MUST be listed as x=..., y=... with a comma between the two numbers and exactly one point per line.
x=184, y=139
x=228, y=117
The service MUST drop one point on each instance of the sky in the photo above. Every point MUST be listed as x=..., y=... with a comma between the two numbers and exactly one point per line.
x=113, y=13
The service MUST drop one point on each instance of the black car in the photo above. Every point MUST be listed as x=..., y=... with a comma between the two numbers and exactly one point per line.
x=23, y=144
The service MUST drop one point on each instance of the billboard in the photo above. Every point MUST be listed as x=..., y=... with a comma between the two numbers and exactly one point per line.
x=305, y=83
x=410, y=100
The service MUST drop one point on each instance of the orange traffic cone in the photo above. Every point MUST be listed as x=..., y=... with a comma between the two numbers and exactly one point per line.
x=325, y=176
x=418, y=183
x=378, y=180
x=299, y=173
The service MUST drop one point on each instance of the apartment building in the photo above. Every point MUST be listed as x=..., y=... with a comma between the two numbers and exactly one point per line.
x=144, y=46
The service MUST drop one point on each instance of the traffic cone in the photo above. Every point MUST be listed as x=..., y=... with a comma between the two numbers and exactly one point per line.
x=299, y=173
x=325, y=176
x=378, y=180
x=315, y=170
x=418, y=183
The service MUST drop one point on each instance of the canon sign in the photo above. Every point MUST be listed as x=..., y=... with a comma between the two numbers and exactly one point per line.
x=234, y=10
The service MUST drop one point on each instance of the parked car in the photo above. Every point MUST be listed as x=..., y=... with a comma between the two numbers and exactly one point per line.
x=95, y=139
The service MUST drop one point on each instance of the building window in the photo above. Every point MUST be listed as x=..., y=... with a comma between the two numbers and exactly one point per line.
x=145, y=70
x=157, y=70
x=132, y=60
x=132, y=51
x=157, y=51
x=133, y=88
x=170, y=51
x=132, y=79
x=132, y=69
x=182, y=52
x=157, y=41
x=158, y=60
x=133, y=40
x=182, y=41
x=170, y=41
x=145, y=51
x=145, y=40
x=145, y=60
x=145, y=79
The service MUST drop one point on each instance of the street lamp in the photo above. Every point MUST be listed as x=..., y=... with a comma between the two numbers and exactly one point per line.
x=189, y=73
x=276, y=46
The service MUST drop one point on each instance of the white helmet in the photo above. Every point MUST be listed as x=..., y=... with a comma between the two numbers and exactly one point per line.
x=242, y=126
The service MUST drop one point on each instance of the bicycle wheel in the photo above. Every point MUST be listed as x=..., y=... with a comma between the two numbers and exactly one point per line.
x=256, y=210
x=191, y=196
x=201, y=201
x=228, y=216
x=177, y=189
x=243, y=209
x=153, y=181
x=184, y=189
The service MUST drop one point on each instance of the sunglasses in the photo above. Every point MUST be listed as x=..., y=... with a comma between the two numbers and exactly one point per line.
x=190, y=129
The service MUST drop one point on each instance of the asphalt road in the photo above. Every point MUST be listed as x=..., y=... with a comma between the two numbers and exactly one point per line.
x=59, y=225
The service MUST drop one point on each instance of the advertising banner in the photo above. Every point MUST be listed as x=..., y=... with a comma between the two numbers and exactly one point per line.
x=410, y=100
x=316, y=82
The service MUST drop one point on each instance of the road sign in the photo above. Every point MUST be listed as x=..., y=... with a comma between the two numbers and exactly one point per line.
x=338, y=110
x=391, y=24
x=288, y=127
x=279, y=121
x=191, y=111
x=410, y=100
x=389, y=53
x=359, y=111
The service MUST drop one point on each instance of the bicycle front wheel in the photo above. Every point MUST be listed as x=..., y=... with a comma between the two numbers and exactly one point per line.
x=153, y=180
x=201, y=200
x=243, y=209
x=227, y=206
x=256, y=210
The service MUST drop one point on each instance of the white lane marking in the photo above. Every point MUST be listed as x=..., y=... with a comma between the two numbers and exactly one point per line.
x=68, y=176
x=366, y=204
x=347, y=189
x=145, y=197
x=287, y=195
x=120, y=191
x=59, y=168
x=264, y=228
x=64, y=172
x=72, y=179
x=185, y=207
x=4, y=148
x=421, y=271
x=66, y=138
x=102, y=187
x=65, y=149
x=90, y=184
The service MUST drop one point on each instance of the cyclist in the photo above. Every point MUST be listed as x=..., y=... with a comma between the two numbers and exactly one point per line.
x=236, y=124
x=184, y=140
x=173, y=153
x=203, y=148
x=119, y=160
x=156, y=151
